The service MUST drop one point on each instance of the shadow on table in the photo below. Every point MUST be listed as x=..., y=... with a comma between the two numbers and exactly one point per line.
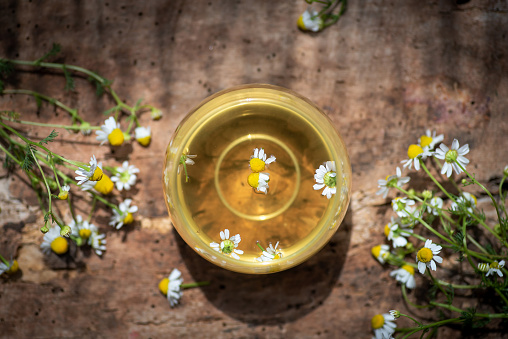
x=274, y=298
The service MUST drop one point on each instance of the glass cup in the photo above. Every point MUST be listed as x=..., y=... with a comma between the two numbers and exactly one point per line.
x=256, y=179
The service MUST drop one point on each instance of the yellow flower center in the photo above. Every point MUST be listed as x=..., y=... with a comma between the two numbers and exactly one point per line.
x=494, y=265
x=276, y=256
x=257, y=165
x=409, y=269
x=63, y=195
x=387, y=230
x=413, y=151
x=145, y=141
x=105, y=185
x=163, y=286
x=14, y=267
x=115, y=138
x=253, y=180
x=376, y=250
x=85, y=233
x=59, y=245
x=377, y=321
x=475, y=201
x=97, y=175
x=228, y=247
x=128, y=219
x=425, y=255
x=425, y=140
x=301, y=24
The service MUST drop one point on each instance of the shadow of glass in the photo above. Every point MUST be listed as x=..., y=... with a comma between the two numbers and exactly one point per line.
x=275, y=298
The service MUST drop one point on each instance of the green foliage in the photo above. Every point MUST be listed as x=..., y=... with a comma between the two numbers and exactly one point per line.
x=6, y=69
x=10, y=114
x=49, y=138
x=55, y=49
x=99, y=87
x=69, y=81
x=28, y=160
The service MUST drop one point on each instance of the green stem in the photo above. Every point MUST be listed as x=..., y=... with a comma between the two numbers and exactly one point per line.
x=409, y=317
x=404, y=294
x=502, y=197
x=5, y=261
x=436, y=182
x=458, y=310
x=94, y=202
x=72, y=210
x=194, y=284
x=435, y=282
x=449, y=178
x=259, y=245
x=436, y=324
x=501, y=295
x=52, y=165
x=45, y=181
x=31, y=123
x=105, y=202
x=10, y=155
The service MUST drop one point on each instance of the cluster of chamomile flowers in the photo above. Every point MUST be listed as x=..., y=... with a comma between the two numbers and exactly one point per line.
x=408, y=215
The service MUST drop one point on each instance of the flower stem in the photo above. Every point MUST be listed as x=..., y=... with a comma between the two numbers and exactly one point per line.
x=45, y=181
x=436, y=324
x=404, y=294
x=195, y=284
x=31, y=123
x=4, y=260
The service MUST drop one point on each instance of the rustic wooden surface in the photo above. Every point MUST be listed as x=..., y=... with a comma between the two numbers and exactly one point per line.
x=386, y=72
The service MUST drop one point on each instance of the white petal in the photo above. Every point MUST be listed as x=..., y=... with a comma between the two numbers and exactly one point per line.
x=438, y=258
x=455, y=144
x=318, y=186
x=421, y=267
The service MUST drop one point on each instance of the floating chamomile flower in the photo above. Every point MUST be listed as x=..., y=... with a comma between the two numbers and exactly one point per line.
x=186, y=159
x=125, y=176
x=124, y=216
x=111, y=132
x=258, y=161
x=406, y=275
x=452, y=157
x=92, y=174
x=171, y=287
x=391, y=181
x=143, y=135
x=97, y=242
x=414, y=153
x=228, y=245
x=270, y=253
x=326, y=176
x=53, y=241
x=495, y=267
x=467, y=200
x=383, y=325
x=64, y=192
x=436, y=204
x=397, y=233
x=310, y=21
x=403, y=206
x=259, y=181
x=104, y=186
x=426, y=257
x=430, y=139
x=11, y=268
x=381, y=253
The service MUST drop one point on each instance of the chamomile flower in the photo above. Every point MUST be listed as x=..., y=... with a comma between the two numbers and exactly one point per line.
x=383, y=325
x=406, y=275
x=125, y=176
x=64, y=192
x=82, y=228
x=171, y=287
x=270, y=253
x=143, y=135
x=495, y=267
x=436, y=204
x=228, y=245
x=467, y=200
x=426, y=257
x=97, y=242
x=53, y=241
x=414, y=153
x=11, y=268
x=452, y=157
x=310, y=21
x=156, y=114
x=326, y=176
x=104, y=186
x=124, y=216
x=259, y=181
x=397, y=233
x=430, y=139
x=391, y=181
x=94, y=173
x=111, y=132
x=258, y=161
x=381, y=253
x=403, y=206
x=186, y=159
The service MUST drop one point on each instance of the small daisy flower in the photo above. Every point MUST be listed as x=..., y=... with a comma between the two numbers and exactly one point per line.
x=383, y=325
x=436, y=204
x=125, y=176
x=452, y=157
x=156, y=114
x=143, y=135
x=270, y=253
x=82, y=228
x=395, y=313
x=326, y=176
x=381, y=252
x=64, y=192
x=111, y=132
x=228, y=245
x=391, y=181
x=186, y=159
x=92, y=174
x=414, y=153
x=310, y=21
x=466, y=199
x=397, y=233
x=97, y=242
x=171, y=287
x=53, y=241
x=259, y=181
x=495, y=267
x=104, y=186
x=426, y=257
x=11, y=268
x=258, y=161
x=403, y=206
x=124, y=217
x=405, y=275
x=430, y=139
